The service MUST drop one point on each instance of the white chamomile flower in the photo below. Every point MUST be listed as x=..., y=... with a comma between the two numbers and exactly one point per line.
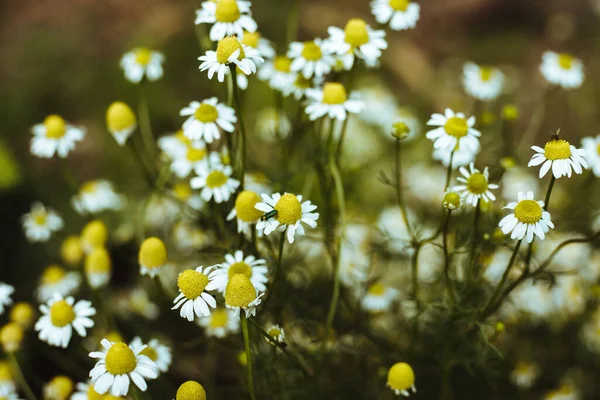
x=55, y=136
x=591, y=145
x=253, y=268
x=258, y=42
x=60, y=316
x=310, y=58
x=220, y=323
x=244, y=211
x=59, y=388
x=230, y=51
x=206, y=118
x=41, y=222
x=152, y=256
x=401, y=14
x=216, y=182
x=286, y=213
x=379, y=297
x=559, y=155
x=460, y=158
x=357, y=39
x=155, y=351
x=141, y=62
x=97, y=267
x=332, y=101
x=5, y=292
x=524, y=374
x=240, y=294
x=566, y=391
x=273, y=125
x=228, y=18
x=527, y=219
x=482, y=82
x=562, y=69
x=85, y=391
x=7, y=393
x=454, y=132
x=176, y=144
x=451, y=200
x=96, y=196
x=57, y=279
x=192, y=297
x=278, y=72
x=120, y=121
x=189, y=157
x=475, y=185
x=298, y=87
x=277, y=333
x=118, y=365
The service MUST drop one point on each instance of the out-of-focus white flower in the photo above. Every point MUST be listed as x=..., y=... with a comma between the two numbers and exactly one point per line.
x=454, y=132
x=55, y=136
x=483, y=83
x=591, y=145
x=525, y=374
x=120, y=121
x=400, y=14
x=142, y=62
x=56, y=280
x=216, y=182
x=228, y=18
x=357, y=39
x=60, y=316
x=41, y=222
x=220, y=323
x=97, y=196
x=379, y=297
x=205, y=119
x=258, y=42
x=272, y=124
x=5, y=292
x=155, y=351
x=332, y=101
x=310, y=58
x=278, y=73
x=562, y=69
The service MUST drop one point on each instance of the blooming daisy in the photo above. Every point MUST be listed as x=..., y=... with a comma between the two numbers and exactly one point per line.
x=256, y=41
x=240, y=294
x=475, y=185
x=455, y=132
x=483, y=83
x=286, y=213
x=11, y=337
x=120, y=121
x=97, y=267
x=220, y=323
x=175, y=144
x=357, y=39
x=55, y=136
x=229, y=17
x=253, y=268
x=401, y=14
x=56, y=279
x=229, y=51
x=189, y=157
x=559, y=155
x=276, y=332
x=60, y=316
x=206, y=118
x=192, y=297
x=278, y=72
x=379, y=297
x=59, y=388
x=97, y=196
x=152, y=256
x=244, y=211
x=401, y=378
x=142, y=62
x=41, y=222
x=118, y=364
x=333, y=101
x=562, y=69
x=5, y=292
x=190, y=390
x=524, y=374
x=216, y=182
x=528, y=218
x=310, y=58
x=591, y=146
x=7, y=393
x=298, y=86
x=93, y=235
x=155, y=351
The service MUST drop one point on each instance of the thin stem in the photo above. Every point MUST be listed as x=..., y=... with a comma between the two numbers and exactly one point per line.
x=278, y=270
x=529, y=254
x=20, y=378
x=449, y=171
x=246, y=333
x=68, y=174
x=292, y=22
x=549, y=192
x=415, y=273
x=146, y=127
x=148, y=175
x=475, y=241
x=399, y=198
x=238, y=107
x=447, y=257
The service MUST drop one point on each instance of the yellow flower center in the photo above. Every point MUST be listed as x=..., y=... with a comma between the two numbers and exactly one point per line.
x=55, y=126
x=565, y=60
x=22, y=314
x=5, y=374
x=150, y=352
x=190, y=390
x=598, y=149
x=120, y=359
x=92, y=394
x=119, y=116
x=311, y=51
x=98, y=261
x=451, y=200
x=153, y=253
x=289, y=209
x=240, y=291
x=114, y=336
x=226, y=47
x=274, y=332
x=53, y=274
x=143, y=56
x=192, y=283
x=456, y=126
x=182, y=190
x=376, y=289
x=251, y=39
x=399, y=5
x=510, y=112
x=182, y=138
x=227, y=11
x=94, y=234
x=528, y=211
x=400, y=376
x=194, y=155
x=11, y=336
x=206, y=113
x=356, y=32
x=60, y=387
x=89, y=187
x=244, y=206
x=40, y=219
x=302, y=82
x=282, y=64
x=61, y=314
x=216, y=179
x=477, y=183
x=486, y=73
x=239, y=268
x=219, y=318
x=334, y=93
x=557, y=150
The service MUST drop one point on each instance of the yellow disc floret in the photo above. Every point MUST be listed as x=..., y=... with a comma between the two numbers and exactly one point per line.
x=399, y=5
x=219, y=318
x=120, y=359
x=334, y=93
x=289, y=209
x=59, y=388
x=143, y=56
x=71, y=251
x=377, y=289
x=477, y=183
x=557, y=150
x=216, y=179
x=192, y=283
x=244, y=206
x=94, y=234
x=61, y=313
x=22, y=313
x=282, y=64
x=206, y=113
x=190, y=390
x=5, y=371
x=182, y=190
x=456, y=126
x=356, y=32
x=227, y=11
x=53, y=274
x=486, y=73
x=93, y=395
x=226, y=47
x=240, y=292
x=528, y=211
x=565, y=60
x=311, y=51
x=274, y=332
x=98, y=261
x=451, y=201
x=400, y=130
x=11, y=336
x=400, y=377
x=153, y=253
x=240, y=268
x=150, y=352
x=251, y=39
x=55, y=126
x=119, y=117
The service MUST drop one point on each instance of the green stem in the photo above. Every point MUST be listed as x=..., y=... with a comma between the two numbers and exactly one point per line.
x=549, y=192
x=20, y=378
x=449, y=172
x=399, y=198
x=475, y=242
x=415, y=273
x=278, y=270
x=292, y=22
x=529, y=254
x=246, y=333
x=238, y=107
x=447, y=257
x=148, y=175
x=69, y=176
x=146, y=127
